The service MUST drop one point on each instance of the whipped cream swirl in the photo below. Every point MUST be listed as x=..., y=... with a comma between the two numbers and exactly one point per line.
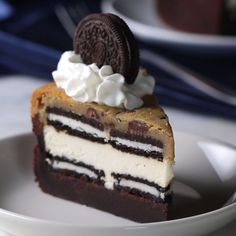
x=88, y=83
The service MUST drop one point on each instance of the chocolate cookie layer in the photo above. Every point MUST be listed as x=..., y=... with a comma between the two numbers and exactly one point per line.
x=91, y=120
x=99, y=173
x=156, y=153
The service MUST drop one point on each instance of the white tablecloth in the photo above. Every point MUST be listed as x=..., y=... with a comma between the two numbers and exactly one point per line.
x=15, y=94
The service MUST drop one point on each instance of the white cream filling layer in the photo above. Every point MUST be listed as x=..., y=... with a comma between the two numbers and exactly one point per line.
x=140, y=186
x=80, y=126
x=137, y=145
x=105, y=157
x=77, y=125
x=61, y=165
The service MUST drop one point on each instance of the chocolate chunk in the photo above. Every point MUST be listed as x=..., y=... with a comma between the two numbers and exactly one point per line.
x=91, y=113
x=105, y=39
x=137, y=127
x=109, y=126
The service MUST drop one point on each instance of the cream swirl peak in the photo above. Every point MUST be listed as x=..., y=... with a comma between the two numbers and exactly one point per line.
x=88, y=83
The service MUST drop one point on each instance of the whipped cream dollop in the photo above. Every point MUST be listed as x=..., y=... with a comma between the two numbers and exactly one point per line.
x=88, y=83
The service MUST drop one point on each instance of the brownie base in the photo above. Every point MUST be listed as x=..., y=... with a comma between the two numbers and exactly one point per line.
x=92, y=194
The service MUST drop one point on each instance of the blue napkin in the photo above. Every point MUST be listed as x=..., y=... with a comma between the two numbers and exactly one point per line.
x=32, y=40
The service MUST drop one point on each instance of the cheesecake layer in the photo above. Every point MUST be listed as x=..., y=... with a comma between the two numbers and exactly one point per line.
x=106, y=158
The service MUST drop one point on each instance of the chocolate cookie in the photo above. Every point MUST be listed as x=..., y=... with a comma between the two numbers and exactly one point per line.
x=105, y=39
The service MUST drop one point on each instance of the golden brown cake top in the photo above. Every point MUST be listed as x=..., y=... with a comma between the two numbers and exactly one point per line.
x=150, y=113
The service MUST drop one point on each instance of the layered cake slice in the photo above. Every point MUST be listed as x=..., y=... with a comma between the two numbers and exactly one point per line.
x=103, y=140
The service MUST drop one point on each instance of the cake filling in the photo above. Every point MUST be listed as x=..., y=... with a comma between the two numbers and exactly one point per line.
x=93, y=130
x=140, y=186
x=138, y=148
x=136, y=145
x=107, y=159
x=77, y=125
x=92, y=122
x=62, y=165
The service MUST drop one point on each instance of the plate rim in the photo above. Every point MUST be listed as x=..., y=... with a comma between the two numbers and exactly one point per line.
x=30, y=219
x=166, y=36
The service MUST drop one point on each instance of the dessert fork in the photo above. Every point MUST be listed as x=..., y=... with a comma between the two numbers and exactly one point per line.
x=70, y=14
x=196, y=81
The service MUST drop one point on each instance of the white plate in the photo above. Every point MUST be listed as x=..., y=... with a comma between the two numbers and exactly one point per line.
x=205, y=181
x=143, y=19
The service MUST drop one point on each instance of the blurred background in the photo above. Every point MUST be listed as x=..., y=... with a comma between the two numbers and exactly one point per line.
x=188, y=46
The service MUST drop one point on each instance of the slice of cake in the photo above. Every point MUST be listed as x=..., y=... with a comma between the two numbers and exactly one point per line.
x=103, y=140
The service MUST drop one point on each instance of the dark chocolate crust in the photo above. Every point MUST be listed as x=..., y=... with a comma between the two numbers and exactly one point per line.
x=92, y=194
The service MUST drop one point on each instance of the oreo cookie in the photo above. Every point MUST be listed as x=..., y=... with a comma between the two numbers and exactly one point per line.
x=105, y=39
